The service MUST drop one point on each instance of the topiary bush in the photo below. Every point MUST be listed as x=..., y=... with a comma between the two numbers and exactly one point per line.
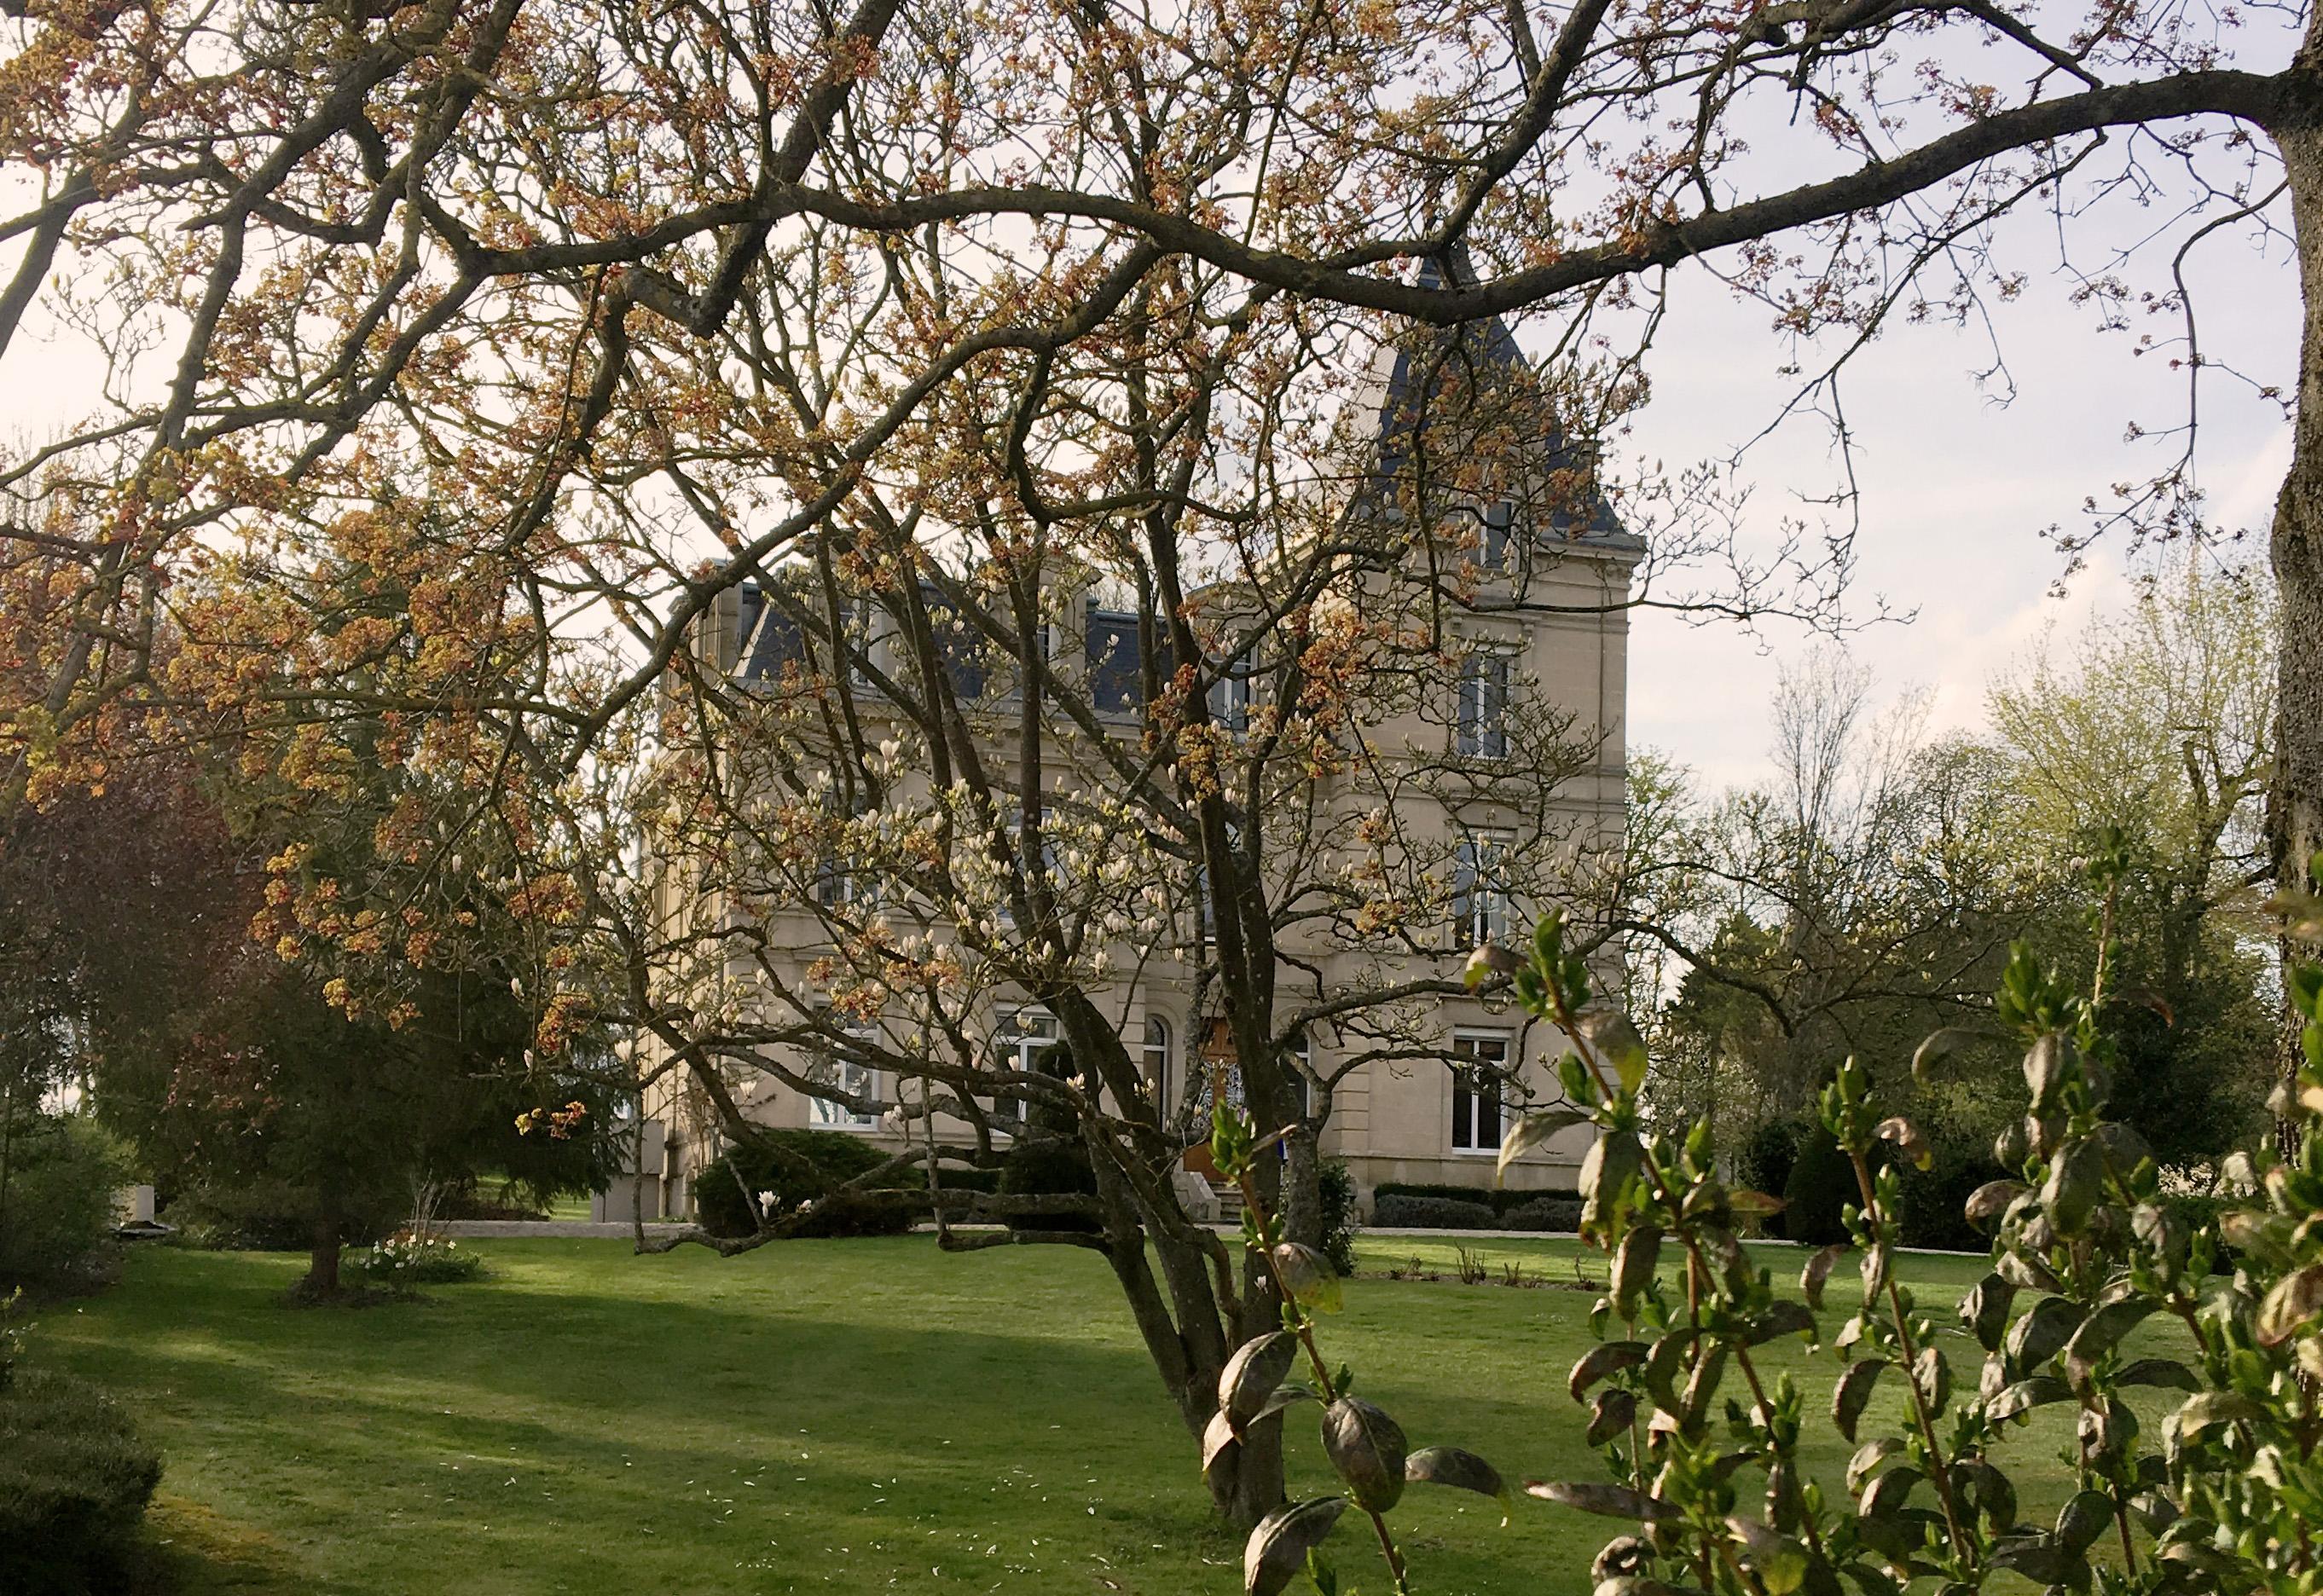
x=74, y=1483
x=1500, y=1199
x=1764, y=1164
x=1049, y=1167
x=799, y=1167
x=1395, y=1210
x=56, y=1203
x=1822, y=1184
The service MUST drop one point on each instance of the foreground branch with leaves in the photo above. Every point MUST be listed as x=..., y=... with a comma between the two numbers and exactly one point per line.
x=2211, y=1492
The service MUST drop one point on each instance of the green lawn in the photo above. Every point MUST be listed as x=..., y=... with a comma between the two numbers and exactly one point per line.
x=851, y=1417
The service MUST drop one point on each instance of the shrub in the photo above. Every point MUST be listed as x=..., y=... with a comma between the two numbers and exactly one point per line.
x=1046, y=1168
x=1821, y=1183
x=798, y=1167
x=406, y=1259
x=56, y=1207
x=1337, y=1187
x=1431, y=1213
x=1497, y=1198
x=1544, y=1213
x=74, y=1483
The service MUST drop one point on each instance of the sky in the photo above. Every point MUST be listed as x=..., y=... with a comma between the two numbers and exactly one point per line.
x=1956, y=485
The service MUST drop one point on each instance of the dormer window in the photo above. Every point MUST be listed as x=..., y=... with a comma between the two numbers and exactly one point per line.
x=1483, y=722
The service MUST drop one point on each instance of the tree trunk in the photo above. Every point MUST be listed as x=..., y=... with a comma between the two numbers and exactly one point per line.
x=2295, y=802
x=323, y=1254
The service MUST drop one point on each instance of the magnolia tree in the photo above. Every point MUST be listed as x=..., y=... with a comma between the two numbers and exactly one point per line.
x=913, y=783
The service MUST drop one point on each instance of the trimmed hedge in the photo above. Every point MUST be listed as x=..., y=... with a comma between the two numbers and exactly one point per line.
x=1544, y=1213
x=1541, y=1210
x=74, y=1483
x=1395, y=1209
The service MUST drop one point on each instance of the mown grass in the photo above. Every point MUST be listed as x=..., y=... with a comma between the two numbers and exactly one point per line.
x=849, y=1416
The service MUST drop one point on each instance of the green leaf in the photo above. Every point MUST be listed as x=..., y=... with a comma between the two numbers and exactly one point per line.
x=1939, y=1047
x=2292, y=1303
x=1611, y=1502
x=1308, y=1277
x=2038, y=1336
x=1609, y=1415
x=1782, y=1319
x=2167, y=1373
x=1367, y=1448
x=1853, y=1391
x=1277, y=1549
x=1818, y=1270
x=1985, y=1310
x=1463, y=1470
x=1633, y=1266
x=2082, y=1521
x=2025, y=1395
x=1601, y=1361
x=1218, y=1439
x=1607, y=1172
x=1664, y=1359
x=2210, y=1409
x=1534, y=1130
x=1989, y=1201
x=1867, y=1459
x=1251, y=1375
x=1910, y=1143
x=1779, y=1561
x=1887, y=1492
x=1612, y=1037
x=2046, y=1067
x=2102, y=1331
x=2076, y=1184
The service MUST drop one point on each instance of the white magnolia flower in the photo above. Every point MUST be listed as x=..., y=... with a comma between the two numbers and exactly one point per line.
x=765, y=1199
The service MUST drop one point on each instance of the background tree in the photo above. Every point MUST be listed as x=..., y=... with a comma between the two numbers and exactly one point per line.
x=2155, y=734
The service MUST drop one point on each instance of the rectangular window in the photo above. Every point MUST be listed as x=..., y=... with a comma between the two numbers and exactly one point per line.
x=1235, y=693
x=1481, y=909
x=1021, y=1045
x=1482, y=1058
x=1484, y=718
x=1500, y=527
x=848, y=1075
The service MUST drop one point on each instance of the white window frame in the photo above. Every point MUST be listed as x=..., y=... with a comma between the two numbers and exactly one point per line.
x=1467, y=1041
x=1026, y=1044
x=826, y=1114
x=1487, y=686
x=1153, y=1056
x=1482, y=909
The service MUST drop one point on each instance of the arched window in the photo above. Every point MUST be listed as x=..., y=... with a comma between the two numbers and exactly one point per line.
x=1157, y=1062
